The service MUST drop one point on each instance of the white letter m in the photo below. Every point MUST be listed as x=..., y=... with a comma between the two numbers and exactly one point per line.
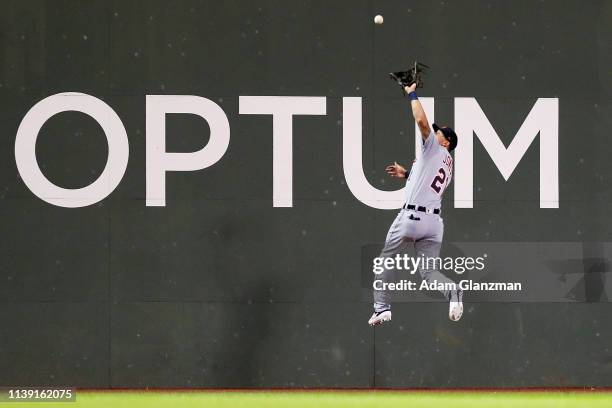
x=543, y=119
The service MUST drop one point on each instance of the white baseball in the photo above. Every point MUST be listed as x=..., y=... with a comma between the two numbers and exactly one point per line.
x=378, y=19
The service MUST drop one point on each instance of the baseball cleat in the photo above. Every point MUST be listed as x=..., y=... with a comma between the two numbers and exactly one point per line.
x=380, y=317
x=455, y=306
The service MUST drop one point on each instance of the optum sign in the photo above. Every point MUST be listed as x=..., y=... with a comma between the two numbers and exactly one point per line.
x=542, y=120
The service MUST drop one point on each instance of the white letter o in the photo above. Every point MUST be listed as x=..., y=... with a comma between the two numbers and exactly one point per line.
x=25, y=149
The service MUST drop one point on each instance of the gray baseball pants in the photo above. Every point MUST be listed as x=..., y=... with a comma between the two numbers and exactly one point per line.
x=425, y=232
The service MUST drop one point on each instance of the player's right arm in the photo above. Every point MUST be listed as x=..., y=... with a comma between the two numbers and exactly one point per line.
x=419, y=113
x=396, y=170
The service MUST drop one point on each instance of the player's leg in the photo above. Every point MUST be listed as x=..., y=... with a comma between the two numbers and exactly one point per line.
x=394, y=244
x=429, y=247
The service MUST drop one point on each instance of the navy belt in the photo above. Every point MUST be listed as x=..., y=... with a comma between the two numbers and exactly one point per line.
x=421, y=209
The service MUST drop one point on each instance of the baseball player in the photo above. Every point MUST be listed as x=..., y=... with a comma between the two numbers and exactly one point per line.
x=419, y=222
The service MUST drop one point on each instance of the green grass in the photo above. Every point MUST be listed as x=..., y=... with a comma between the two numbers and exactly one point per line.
x=331, y=399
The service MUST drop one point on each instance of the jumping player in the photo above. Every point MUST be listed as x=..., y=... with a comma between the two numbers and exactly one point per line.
x=419, y=221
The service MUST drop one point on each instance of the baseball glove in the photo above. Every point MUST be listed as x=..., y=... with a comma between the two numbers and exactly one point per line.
x=409, y=77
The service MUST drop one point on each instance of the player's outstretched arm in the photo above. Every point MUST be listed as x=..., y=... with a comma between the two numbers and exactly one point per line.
x=396, y=170
x=418, y=112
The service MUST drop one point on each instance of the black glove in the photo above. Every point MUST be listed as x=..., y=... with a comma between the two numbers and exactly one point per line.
x=413, y=75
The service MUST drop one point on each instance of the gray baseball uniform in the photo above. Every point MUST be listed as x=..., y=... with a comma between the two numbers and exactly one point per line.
x=429, y=177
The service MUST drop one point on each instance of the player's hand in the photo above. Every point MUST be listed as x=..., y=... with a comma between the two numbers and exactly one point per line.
x=396, y=170
x=410, y=88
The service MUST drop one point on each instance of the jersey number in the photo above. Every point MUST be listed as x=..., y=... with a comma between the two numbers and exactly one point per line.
x=437, y=182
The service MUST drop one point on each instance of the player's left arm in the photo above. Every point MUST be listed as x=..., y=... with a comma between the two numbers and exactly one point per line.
x=418, y=112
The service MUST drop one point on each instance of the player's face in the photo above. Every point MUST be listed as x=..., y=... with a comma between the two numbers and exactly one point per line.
x=441, y=139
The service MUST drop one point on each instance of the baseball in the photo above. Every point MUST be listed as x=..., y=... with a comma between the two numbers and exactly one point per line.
x=378, y=19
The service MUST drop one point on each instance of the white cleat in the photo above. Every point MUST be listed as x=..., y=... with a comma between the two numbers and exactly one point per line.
x=380, y=317
x=455, y=306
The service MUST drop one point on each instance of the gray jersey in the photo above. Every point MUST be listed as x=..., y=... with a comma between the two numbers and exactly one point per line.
x=430, y=175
